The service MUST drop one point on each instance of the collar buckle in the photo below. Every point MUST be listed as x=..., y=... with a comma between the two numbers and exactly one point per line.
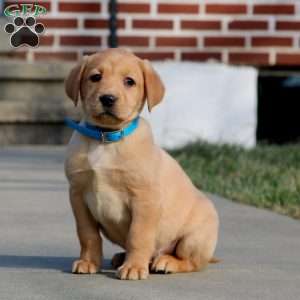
x=103, y=138
x=122, y=134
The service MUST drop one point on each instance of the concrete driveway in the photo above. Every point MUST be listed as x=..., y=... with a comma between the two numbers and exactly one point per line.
x=260, y=251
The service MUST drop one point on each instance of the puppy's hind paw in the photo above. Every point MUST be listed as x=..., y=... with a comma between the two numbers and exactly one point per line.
x=164, y=264
x=81, y=266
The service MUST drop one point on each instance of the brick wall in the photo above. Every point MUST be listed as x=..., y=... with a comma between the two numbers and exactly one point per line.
x=257, y=32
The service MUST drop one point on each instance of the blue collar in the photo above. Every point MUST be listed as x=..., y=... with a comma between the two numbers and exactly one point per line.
x=97, y=133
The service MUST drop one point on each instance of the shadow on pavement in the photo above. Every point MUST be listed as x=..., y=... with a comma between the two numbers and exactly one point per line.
x=63, y=264
x=37, y=262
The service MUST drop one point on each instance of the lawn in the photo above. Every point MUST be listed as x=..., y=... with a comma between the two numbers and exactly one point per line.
x=266, y=176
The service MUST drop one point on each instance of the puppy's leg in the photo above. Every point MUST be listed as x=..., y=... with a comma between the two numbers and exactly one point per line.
x=88, y=234
x=193, y=252
x=141, y=239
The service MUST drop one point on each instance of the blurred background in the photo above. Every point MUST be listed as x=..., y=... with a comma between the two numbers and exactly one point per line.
x=230, y=117
x=231, y=70
x=230, y=67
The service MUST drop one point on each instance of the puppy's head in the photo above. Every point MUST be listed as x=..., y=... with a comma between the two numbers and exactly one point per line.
x=113, y=86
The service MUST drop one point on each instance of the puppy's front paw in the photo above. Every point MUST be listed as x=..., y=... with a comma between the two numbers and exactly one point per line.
x=82, y=266
x=129, y=271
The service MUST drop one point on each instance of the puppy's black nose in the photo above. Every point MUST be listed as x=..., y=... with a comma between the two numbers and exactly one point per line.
x=107, y=100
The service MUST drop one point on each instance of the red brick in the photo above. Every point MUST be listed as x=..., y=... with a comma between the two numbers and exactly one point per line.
x=176, y=41
x=248, y=25
x=139, y=41
x=55, y=56
x=46, y=40
x=269, y=41
x=79, y=40
x=101, y=23
x=79, y=7
x=224, y=41
x=274, y=9
x=226, y=8
x=14, y=55
x=201, y=25
x=133, y=8
x=288, y=25
x=47, y=5
x=167, y=8
x=58, y=23
x=288, y=59
x=155, y=55
x=249, y=58
x=152, y=24
x=201, y=56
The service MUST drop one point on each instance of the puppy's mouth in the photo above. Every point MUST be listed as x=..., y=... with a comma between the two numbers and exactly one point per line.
x=108, y=114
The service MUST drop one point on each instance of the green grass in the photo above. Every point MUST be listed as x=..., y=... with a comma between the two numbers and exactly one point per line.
x=266, y=176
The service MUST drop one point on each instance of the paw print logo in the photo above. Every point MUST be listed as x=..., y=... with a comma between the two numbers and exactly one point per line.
x=24, y=32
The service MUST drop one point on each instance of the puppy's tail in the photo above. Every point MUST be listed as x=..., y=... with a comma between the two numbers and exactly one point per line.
x=214, y=260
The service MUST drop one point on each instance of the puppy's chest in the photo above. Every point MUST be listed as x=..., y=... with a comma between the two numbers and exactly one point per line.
x=106, y=196
x=108, y=206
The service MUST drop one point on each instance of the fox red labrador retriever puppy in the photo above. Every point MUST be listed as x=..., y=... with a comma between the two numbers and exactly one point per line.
x=122, y=185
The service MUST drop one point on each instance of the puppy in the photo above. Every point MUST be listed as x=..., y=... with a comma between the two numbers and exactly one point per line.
x=130, y=190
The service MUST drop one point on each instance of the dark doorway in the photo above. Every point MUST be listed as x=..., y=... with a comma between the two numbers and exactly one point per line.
x=278, y=107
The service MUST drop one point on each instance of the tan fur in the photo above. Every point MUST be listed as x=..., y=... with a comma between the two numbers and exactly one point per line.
x=132, y=191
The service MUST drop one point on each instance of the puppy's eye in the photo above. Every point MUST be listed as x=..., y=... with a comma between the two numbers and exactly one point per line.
x=128, y=81
x=95, y=77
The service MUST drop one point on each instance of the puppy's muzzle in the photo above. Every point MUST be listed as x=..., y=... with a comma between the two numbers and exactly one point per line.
x=108, y=100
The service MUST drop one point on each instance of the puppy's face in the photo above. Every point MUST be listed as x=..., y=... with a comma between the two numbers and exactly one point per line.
x=113, y=86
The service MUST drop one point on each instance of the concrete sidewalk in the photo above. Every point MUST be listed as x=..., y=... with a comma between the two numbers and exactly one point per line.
x=260, y=251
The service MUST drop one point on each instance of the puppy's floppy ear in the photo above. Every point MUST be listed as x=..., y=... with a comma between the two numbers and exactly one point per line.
x=72, y=82
x=154, y=88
